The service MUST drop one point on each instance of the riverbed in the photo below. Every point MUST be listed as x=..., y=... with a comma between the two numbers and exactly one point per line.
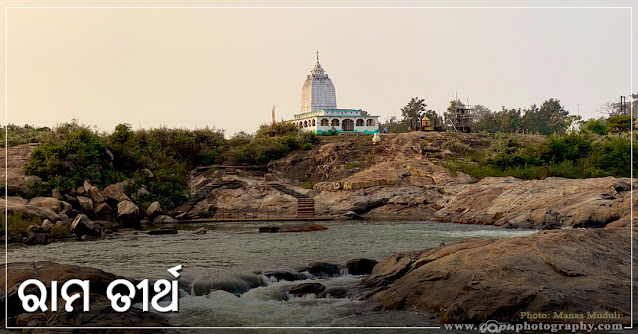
x=233, y=248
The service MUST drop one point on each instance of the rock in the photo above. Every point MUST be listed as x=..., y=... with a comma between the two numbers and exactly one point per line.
x=201, y=230
x=55, y=193
x=103, y=209
x=82, y=226
x=146, y=221
x=32, y=179
x=360, y=266
x=269, y=229
x=50, y=203
x=148, y=173
x=36, y=235
x=15, y=159
x=72, y=200
x=96, y=195
x=352, y=215
x=163, y=230
x=164, y=219
x=47, y=225
x=63, y=223
x=100, y=313
x=572, y=271
x=17, y=200
x=86, y=185
x=127, y=210
x=333, y=293
x=66, y=207
x=80, y=190
x=153, y=209
x=142, y=191
x=307, y=288
x=14, y=207
x=268, y=177
x=86, y=204
x=116, y=192
x=322, y=269
x=283, y=275
x=110, y=155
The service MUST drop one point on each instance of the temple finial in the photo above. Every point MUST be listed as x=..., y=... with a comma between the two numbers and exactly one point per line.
x=317, y=56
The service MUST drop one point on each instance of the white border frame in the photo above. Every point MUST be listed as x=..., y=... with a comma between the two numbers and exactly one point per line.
x=6, y=64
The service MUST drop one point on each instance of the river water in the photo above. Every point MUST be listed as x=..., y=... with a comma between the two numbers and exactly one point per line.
x=229, y=249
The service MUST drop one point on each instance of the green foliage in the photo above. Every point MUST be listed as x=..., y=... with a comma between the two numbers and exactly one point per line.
x=265, y=146
x=619, y=123
x=597, y=126
x=72, y=153
x=277, y=129
x=572, y=155
x=17, y=224
x=457, y=146
x=18, y=135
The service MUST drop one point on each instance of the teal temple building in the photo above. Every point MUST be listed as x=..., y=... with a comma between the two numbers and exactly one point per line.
x=319, y=111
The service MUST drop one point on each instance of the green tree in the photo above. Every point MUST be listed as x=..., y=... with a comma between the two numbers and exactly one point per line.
x=619, y=123
x=411, y=113
x=597, y=126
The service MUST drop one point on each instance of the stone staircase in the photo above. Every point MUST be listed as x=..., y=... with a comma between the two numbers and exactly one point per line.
x=305, y=204
x=200, y=195
x=230, y=171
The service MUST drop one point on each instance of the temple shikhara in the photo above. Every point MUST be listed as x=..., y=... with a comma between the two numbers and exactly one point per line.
x=319, y=111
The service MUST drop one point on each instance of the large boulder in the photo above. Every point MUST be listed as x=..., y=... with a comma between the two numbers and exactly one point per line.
x=86, y=204
x=570, y=271
x=127, y=210
x=116, y=192
x=55, y=193
x=50, y=203
x=96, y=195
x=153, y=209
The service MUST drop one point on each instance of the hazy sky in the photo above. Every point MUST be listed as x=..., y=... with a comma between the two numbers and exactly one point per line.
x=227, y=67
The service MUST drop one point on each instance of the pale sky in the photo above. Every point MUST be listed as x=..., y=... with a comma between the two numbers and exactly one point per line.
x=227, y=67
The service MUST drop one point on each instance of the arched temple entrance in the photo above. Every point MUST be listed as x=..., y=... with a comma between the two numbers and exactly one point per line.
x=347, y=125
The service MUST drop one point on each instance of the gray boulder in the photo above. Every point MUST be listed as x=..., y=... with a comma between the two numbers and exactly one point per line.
x=127, y=210
x=50, y=203
x=116, y=192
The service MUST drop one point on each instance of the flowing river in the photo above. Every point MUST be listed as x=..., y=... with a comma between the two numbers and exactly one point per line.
x=229, y=249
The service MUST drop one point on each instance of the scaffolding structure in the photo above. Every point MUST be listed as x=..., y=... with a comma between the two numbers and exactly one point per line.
x=460, y=119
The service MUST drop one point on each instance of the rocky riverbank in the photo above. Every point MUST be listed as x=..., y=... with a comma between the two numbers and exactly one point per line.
x=575, y=272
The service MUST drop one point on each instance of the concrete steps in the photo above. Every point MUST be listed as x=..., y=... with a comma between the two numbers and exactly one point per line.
x=199, y=195
x=305, y=204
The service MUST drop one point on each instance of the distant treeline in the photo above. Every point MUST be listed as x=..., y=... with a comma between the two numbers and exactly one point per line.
x=548, y=118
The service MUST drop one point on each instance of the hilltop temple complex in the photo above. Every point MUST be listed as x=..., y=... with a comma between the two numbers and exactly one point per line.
x=319, y=111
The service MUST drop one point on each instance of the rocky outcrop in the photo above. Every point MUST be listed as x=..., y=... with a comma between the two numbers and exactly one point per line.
x=153, y=209
x=307, y=288
x=86, y=204
x=100, y=313
x=548, y=203
x=82, y=226
x=570, y=271
x=96, y=195
x=15, y=159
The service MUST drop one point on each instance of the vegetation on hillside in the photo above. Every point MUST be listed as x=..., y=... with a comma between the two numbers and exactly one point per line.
x=573, y=155
x=271, y=142
x=71, y=153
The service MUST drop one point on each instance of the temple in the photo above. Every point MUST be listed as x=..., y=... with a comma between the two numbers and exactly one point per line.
x=319, y=111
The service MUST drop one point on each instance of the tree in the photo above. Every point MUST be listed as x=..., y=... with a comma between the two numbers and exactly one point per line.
x=619, y=123
x=412, y=111
x=550, y=118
